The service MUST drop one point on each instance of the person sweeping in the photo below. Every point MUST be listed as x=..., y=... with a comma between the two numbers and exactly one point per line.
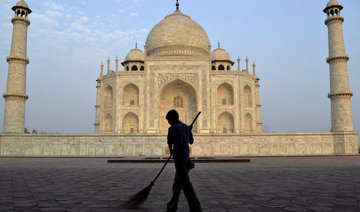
x=179, y=147
x=179, y=137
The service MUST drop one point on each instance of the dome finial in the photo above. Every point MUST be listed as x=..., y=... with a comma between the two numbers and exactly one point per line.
x=219, y=44
x=177, y=4
x=136, y=45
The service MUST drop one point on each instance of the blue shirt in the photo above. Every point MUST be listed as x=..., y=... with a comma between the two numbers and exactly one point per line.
x=179, y=137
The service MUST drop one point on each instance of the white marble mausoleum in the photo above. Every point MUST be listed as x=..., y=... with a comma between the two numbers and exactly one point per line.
x=178, y=69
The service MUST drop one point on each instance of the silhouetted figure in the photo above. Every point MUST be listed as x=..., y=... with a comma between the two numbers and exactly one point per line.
x=179, y=137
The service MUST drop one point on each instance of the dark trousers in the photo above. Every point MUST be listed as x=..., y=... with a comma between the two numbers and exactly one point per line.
x=182, y=181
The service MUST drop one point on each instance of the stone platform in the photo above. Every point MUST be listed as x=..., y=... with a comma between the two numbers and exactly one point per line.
x=266, y=184
x=155, y=145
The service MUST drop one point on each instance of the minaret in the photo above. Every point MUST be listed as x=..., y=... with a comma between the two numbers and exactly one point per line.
x=15, y=96
x=257, y=99
x=98, y=98
x=340, y=94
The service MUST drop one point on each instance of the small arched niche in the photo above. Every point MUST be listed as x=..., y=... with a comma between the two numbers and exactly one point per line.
x=130, y=123
x=131, y=95
x=226, y=123
x=108, y=97
x=225, y=95
x=247, y=95
x=248, y=123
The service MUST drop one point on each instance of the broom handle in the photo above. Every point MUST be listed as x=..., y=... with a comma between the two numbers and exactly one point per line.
x=195, y=118
x=167, y=161
x=161, y=170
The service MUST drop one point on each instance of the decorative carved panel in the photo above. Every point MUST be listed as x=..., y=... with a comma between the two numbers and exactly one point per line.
x=192, y=79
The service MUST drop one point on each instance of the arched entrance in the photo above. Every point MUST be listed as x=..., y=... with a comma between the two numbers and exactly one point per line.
x=180, y=96
x=130, y=123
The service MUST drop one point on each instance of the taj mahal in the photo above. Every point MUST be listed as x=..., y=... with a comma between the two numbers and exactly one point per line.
x=178, y=69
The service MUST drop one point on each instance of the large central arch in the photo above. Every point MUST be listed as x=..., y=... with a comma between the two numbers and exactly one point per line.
x=180, y=96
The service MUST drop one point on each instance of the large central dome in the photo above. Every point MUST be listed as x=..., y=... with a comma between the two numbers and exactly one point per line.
x=177, y=35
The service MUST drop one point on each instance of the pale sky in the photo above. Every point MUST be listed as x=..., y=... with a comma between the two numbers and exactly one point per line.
x=68, y=40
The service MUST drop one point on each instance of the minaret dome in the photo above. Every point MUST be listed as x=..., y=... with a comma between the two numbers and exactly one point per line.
x=21, y=9
x=333, y=8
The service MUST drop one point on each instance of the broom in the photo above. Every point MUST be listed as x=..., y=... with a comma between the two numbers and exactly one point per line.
x=139, y=198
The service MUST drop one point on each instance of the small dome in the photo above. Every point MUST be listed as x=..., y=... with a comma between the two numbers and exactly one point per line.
x=220, y=54
x=177, y=35
x=135, y=55
x=332, y=3
x=22, y=3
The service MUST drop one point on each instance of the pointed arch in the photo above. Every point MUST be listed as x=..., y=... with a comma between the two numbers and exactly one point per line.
x=213, y=68
x=130, y=123
x=225, y=94
x=108, y=124
x=247, y=95
x=142, y=68
x=226, y=123
x=131, y=95
x=108, y=97
x=228, y=68
x=221, y=67
x=134, y=68
x=248, y=123
x=177, y=90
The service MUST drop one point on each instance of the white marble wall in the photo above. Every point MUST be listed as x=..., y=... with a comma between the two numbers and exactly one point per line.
x=99, y=145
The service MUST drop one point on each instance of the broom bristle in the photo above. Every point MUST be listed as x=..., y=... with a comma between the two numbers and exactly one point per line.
x=139, y=198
